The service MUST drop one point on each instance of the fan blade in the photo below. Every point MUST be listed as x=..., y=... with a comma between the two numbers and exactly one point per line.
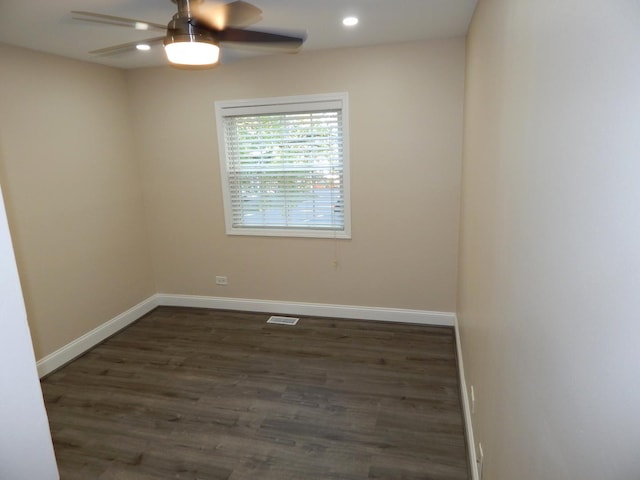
x=221, y=16
x=119, y=21
x=126, y=47
x=261, y=38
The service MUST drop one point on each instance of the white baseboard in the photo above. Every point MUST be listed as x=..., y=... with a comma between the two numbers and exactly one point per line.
x=422, y=317
x=90, y=339
x=466, y=408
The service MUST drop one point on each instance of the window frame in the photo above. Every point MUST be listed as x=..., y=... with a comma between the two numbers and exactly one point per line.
x=284, y=105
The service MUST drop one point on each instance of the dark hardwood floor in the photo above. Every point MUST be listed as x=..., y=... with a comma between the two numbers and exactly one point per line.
x=207, y=394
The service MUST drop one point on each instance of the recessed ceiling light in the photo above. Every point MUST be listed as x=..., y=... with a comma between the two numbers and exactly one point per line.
x=350, y=21
x=141, y=26
x=143, y=46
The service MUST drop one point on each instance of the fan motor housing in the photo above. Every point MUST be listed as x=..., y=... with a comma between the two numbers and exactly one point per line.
x=181, y=28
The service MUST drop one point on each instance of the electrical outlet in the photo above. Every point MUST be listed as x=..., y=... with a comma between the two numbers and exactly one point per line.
x=480, y=461
x=473, y=400
x=222, y=281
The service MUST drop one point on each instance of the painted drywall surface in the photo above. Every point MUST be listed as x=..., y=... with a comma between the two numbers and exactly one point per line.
x=405, y=132
x=72, y=189
x=550, y=264
x=26, y=451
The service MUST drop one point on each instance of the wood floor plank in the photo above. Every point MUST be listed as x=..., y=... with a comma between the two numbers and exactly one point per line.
x=207, y=394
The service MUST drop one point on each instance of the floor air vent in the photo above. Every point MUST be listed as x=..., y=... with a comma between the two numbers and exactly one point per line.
x=283, y=320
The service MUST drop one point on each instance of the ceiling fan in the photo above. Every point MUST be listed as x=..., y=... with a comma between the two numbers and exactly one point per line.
x=193, y=37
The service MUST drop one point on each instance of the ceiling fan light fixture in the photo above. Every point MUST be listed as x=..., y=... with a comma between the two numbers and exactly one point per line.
x=190, y=51
x=194, y=33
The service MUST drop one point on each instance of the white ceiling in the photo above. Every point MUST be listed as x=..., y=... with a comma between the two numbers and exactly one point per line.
x=46, y=25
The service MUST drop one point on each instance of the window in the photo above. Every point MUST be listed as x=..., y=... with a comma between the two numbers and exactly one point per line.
x=284, y=164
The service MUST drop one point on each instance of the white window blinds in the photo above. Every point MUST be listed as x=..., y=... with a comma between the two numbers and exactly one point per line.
x=284, y=170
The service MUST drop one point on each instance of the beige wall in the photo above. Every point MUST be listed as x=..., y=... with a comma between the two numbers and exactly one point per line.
x=550, y=264
x=406, y=129
x=71, y=185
